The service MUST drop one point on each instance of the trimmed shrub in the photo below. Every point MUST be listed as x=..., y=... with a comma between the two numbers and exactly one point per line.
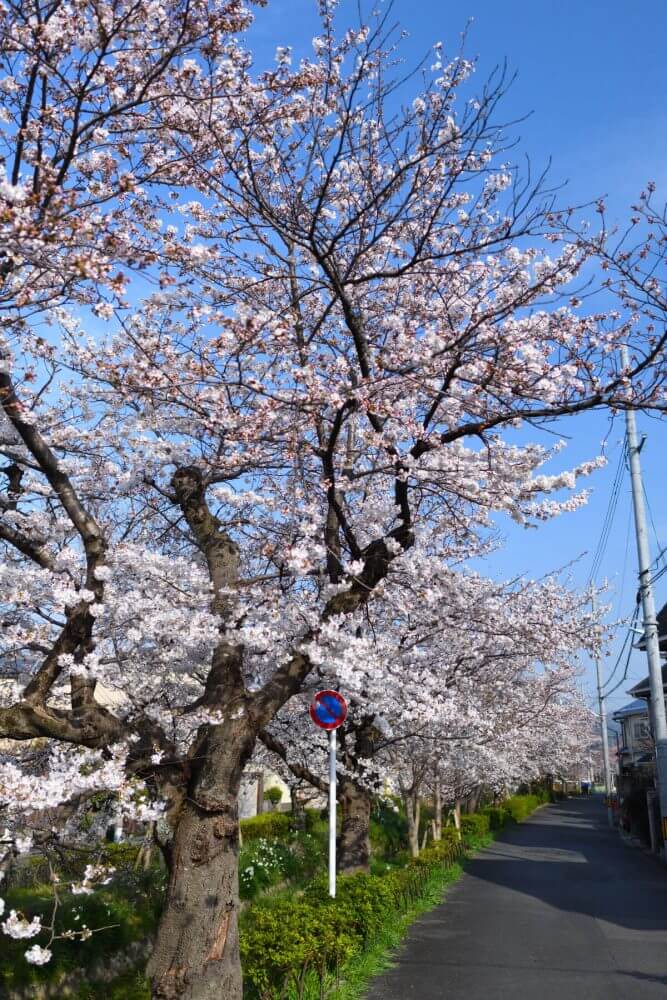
x=512, y=810
x=521, y=806
x=282, y=939
x=499, y=817
x=266, y=826
x=273, y=795
x=474, y=824
x=444, y=851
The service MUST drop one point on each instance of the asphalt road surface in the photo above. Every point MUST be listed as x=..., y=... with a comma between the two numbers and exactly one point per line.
x=558, y=909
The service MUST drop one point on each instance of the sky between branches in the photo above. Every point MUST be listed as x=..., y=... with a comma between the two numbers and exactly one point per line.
x=591, y=79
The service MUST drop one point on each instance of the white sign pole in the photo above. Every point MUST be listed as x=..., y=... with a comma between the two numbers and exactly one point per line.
x=332, y=813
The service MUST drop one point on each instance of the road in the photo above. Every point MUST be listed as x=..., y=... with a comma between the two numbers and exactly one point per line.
x=559, y=908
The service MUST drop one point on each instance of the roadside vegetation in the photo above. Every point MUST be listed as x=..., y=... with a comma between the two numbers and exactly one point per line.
x=296, y=943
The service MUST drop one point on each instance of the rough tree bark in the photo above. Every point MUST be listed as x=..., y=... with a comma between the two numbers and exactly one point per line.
x=457, y=817
x=196, y=954
x=413, y=811
x=355, y=844
x=437, y=809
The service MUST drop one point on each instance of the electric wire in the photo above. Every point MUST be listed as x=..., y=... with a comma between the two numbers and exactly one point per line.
x=603, y=540
x=628, y=638
x=608, y=519
x=655, y=531
x=621, y=592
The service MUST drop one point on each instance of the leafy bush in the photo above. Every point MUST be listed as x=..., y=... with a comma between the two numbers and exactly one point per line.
x=264, y=863
x=521, y=806
x=388, y=829
x=499, y=817
x=282, y=939
x=448, y=843
x=474, y=824
x=365, y=898
x=444, y=851
x=266, y=826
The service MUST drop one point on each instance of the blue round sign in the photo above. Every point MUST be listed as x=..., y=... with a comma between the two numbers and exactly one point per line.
x=328, y=710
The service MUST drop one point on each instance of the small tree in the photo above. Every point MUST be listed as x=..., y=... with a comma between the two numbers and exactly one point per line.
x=273, y=795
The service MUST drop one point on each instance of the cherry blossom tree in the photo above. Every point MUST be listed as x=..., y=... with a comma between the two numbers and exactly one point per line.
x=201, y=508
x=436, y=676
x=631, y=261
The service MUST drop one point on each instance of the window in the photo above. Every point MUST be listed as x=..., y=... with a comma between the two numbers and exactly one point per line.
x=640, y=730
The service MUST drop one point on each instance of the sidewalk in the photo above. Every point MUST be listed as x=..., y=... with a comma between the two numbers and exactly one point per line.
x=557, y=909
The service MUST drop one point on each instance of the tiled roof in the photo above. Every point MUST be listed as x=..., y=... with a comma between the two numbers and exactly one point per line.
x=636, y=707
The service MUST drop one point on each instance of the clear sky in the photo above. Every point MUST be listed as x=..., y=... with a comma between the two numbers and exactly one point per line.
x=592, y=76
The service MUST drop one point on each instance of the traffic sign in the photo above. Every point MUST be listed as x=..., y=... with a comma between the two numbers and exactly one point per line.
x=328, y=710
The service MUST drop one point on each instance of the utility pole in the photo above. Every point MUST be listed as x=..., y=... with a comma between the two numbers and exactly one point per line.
x=648, y=609
x=603, y=727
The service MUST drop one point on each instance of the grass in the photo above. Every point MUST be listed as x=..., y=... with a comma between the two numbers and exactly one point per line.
x=128, y=907
x=131, y=986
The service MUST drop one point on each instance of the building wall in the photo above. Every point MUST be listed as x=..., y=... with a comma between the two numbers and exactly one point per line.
x=636, y=735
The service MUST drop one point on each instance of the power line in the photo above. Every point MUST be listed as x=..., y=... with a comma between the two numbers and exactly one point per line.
x=608, y=519
x=621, y=592
x=628, y=637
x=661, y=549
x=626, y=665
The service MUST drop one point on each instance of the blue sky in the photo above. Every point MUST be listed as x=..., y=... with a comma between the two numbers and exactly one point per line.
x=591, y=75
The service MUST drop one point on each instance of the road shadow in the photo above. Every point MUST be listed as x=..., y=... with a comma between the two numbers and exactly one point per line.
x=567, y=857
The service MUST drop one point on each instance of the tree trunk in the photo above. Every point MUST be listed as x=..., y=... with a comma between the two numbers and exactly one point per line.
x=457, y=816
x=355, y=845
x=437, y=810
x=196, y=954
x=298, y=810
x=413, y=811
x=473, y=800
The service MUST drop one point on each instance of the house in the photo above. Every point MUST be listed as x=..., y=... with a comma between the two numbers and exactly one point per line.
x=662, y=633
x=643, y=688
x=637, y=728
x=636, y=743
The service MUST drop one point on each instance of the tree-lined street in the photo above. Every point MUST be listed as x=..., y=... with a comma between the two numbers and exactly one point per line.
x=558, y=907
x=288, y=339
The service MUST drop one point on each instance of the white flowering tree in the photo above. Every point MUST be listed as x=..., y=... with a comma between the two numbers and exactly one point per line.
x=429, y=679
x=303, y=412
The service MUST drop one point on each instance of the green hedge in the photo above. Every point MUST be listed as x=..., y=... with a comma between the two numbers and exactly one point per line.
x=475, y=824
x=444, y=851
x=521, y=806
x=494, y=818
x=284, y=939
x=266, y=826
x=499, y=817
